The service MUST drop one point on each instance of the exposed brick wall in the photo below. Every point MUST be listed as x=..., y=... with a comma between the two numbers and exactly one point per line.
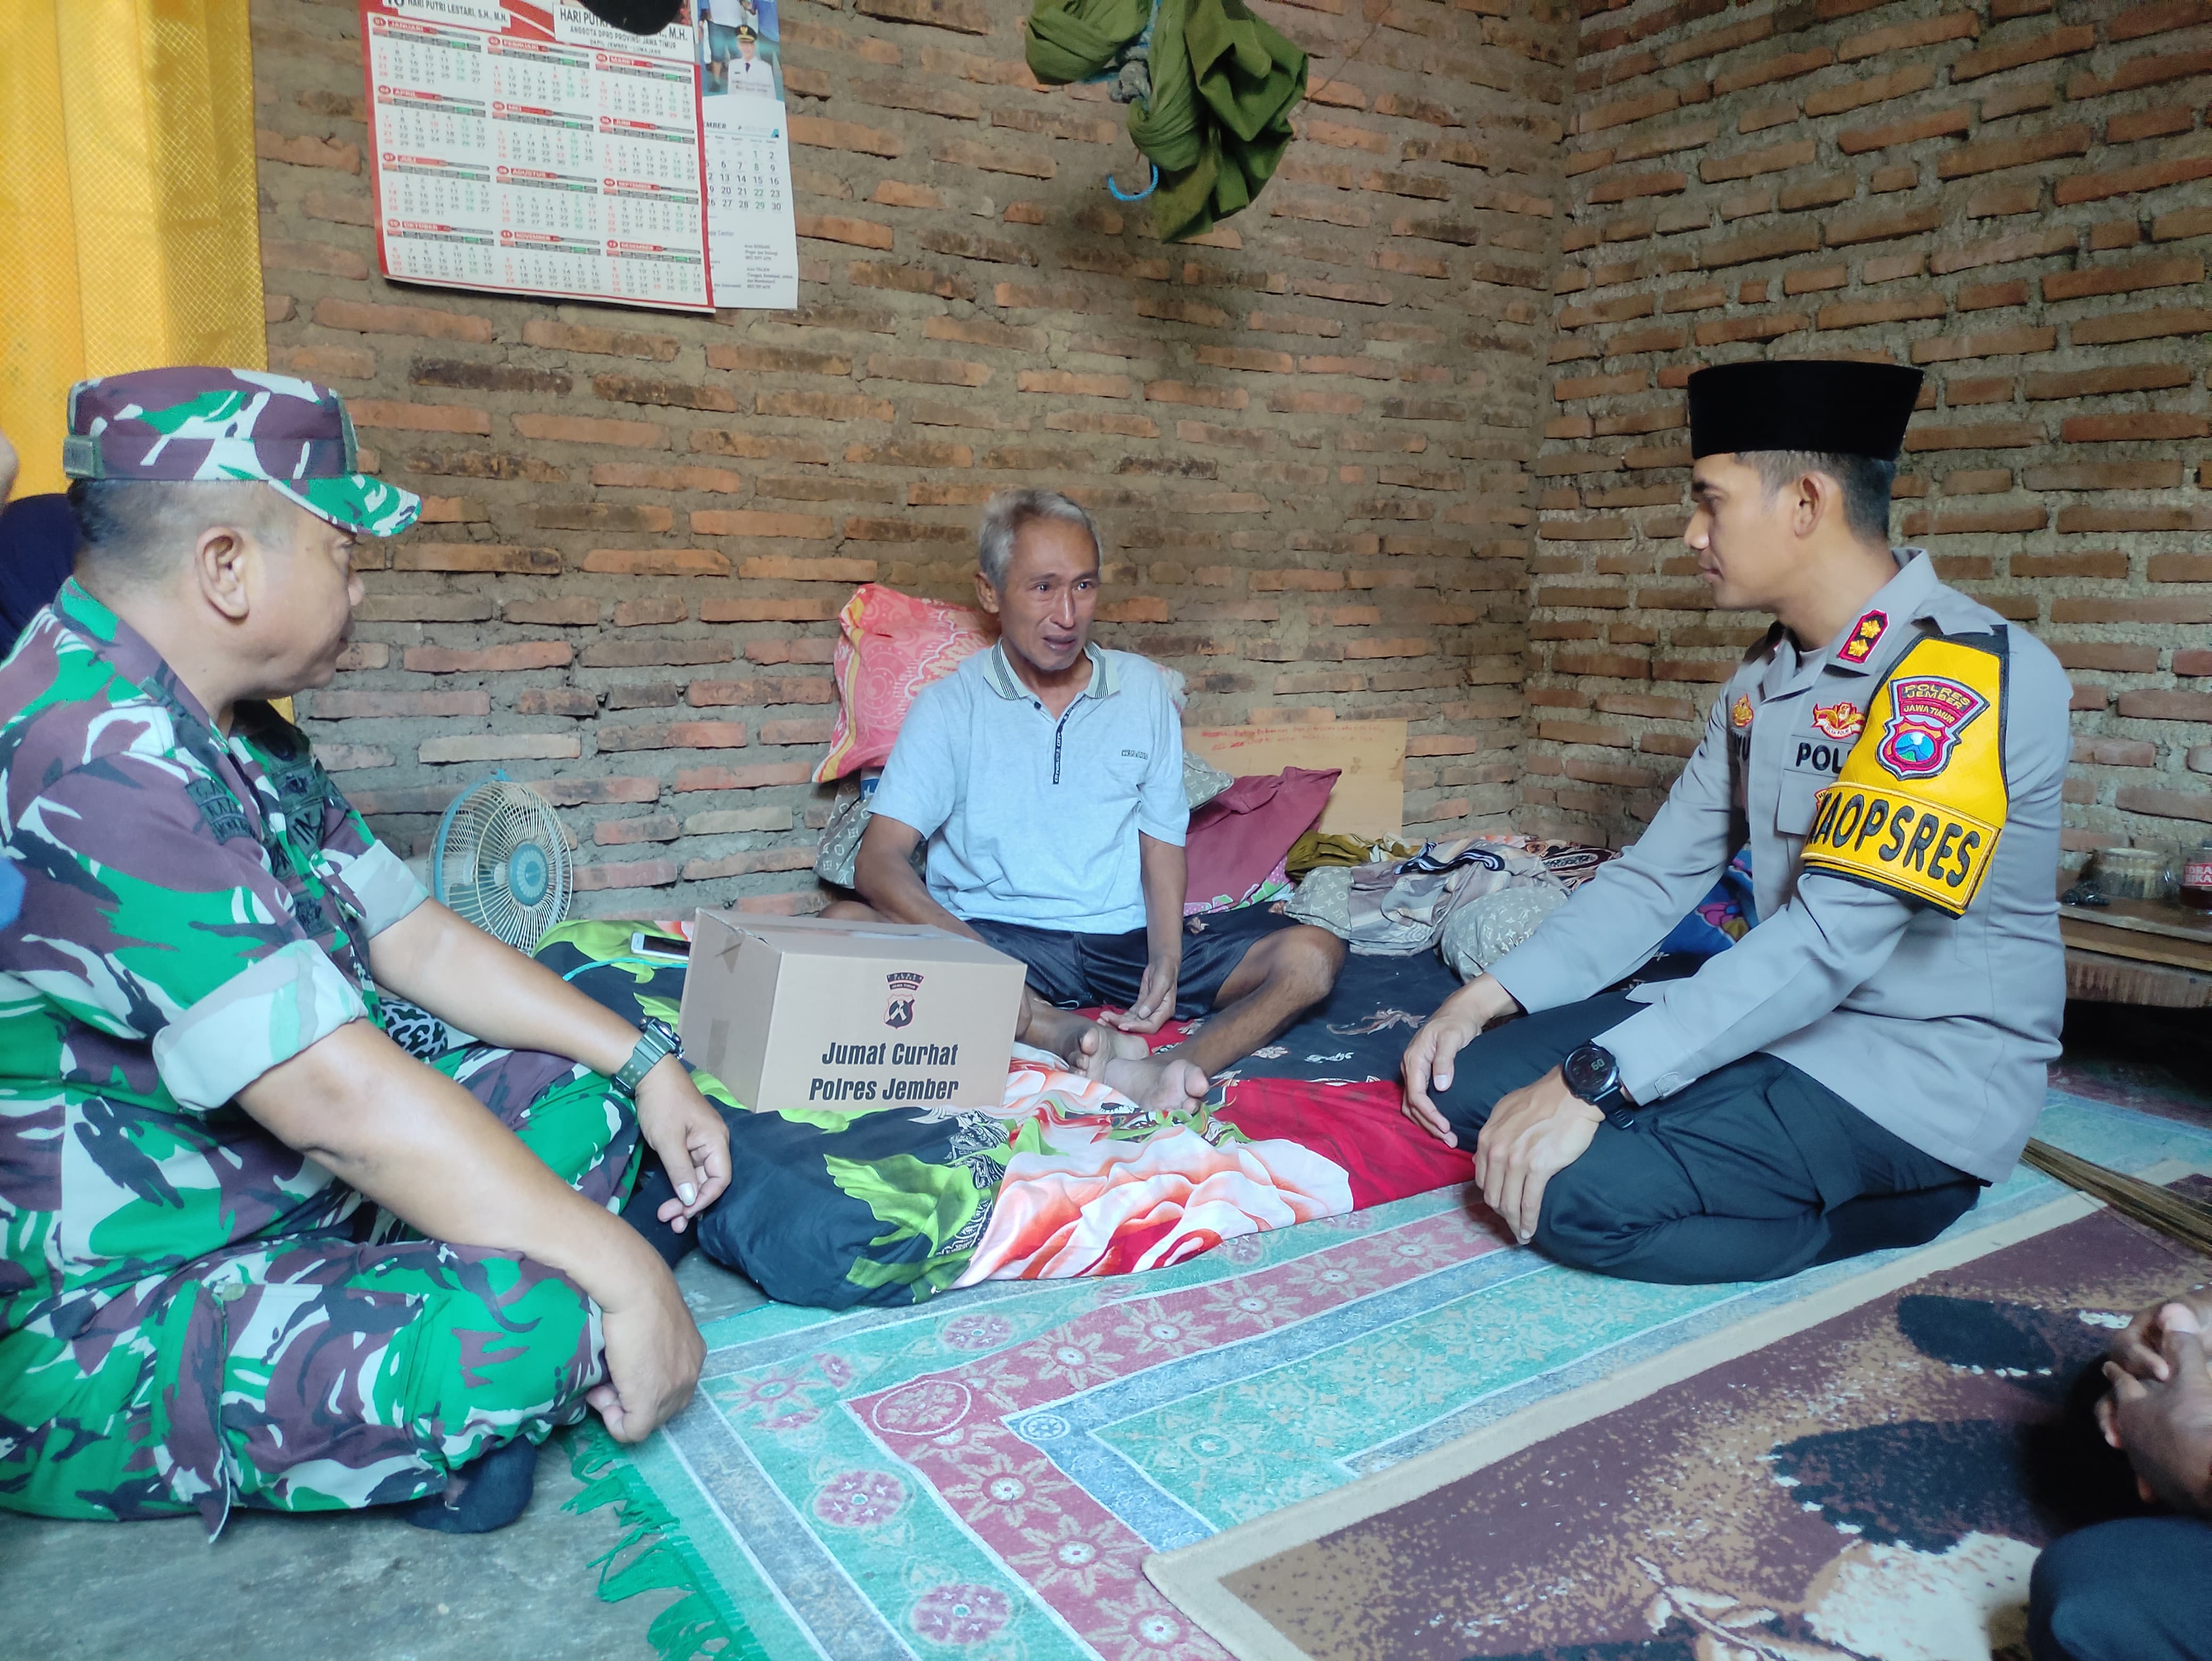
x=1306, y=437
x=2013, y=194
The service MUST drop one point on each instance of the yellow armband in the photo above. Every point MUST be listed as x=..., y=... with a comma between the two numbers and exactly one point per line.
x=1921, y=800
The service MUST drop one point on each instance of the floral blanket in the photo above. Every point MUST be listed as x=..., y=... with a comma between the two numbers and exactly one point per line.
x=833, y=1208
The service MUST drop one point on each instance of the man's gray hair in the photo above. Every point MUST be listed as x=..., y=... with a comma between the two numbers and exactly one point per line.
x=1007, y=512
x=1866, y=482
x=137, y=530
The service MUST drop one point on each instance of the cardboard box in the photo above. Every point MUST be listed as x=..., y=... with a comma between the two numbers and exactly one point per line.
x=795, y=1012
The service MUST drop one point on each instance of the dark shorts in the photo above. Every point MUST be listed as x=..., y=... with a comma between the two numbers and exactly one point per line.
x=1091, y=971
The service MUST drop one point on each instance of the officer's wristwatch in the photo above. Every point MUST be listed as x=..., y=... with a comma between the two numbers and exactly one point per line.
x=659, y=1040
x=1592, y=1075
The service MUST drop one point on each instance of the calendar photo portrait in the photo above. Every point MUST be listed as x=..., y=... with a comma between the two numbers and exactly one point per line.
x=738, y=49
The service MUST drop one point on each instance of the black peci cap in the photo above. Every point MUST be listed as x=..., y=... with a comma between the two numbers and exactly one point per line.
x=1834, y=405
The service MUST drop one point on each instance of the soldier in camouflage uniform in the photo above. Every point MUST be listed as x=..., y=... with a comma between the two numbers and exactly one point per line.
x=254, y=1253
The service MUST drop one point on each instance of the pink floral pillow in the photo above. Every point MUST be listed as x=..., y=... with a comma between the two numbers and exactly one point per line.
x=890, y=646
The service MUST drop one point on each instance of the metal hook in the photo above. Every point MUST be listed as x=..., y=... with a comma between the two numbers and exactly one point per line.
x=1120, y=195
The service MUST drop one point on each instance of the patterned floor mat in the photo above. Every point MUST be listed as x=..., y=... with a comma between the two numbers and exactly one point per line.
x=986, y=1475
x=1873, y=1487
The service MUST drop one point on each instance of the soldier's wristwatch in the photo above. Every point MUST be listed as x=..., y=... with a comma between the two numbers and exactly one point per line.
x=659, y=1040
x=1594, y=1076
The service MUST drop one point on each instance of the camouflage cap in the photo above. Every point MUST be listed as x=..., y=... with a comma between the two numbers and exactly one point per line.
x=202, y=423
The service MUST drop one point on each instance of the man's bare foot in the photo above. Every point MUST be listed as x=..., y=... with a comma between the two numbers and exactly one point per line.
x=1087, y=1047
x=1101, y=1046
x=1164, y=1083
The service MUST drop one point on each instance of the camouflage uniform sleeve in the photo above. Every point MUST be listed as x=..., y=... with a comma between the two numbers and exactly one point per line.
x=378, y=878
x=383, y=888
x=144, y=920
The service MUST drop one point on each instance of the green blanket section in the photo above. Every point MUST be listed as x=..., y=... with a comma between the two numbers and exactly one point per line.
x=1224, y=86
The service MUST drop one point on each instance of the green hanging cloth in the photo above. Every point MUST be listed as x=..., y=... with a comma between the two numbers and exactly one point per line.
x=1074, y=39
x=1224, y=84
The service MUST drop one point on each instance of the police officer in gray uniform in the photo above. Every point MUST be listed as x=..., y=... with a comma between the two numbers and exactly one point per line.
x=1853, y=1071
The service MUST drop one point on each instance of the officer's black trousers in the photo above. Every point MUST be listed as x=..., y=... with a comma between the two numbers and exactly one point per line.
x=1752, y=1173
x=2137, y=1590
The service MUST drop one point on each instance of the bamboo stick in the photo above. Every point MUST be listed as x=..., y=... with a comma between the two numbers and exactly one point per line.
x=2175, y=1215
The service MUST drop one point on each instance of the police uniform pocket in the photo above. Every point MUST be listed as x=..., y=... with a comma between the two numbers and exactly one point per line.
x=1793, y=809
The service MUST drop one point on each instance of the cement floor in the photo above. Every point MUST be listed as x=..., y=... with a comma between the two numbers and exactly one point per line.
x=370, y=1588
x=362, y=1587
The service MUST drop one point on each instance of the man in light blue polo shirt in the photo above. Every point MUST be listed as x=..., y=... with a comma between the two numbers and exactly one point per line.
x=1046, y=774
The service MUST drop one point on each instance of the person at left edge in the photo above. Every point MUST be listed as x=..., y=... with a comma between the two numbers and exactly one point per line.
x=257, y=1254
x=38, y=541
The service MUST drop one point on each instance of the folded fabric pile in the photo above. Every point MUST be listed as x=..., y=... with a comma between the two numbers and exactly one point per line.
x=1240, y=839
x=1318, y=848
x=1474, y=898
x=1210, y=87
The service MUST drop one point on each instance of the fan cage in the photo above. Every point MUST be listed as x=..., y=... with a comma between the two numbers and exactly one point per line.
x=501, y=862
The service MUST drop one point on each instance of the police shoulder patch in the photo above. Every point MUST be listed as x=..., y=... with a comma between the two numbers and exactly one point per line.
x=1921, y=800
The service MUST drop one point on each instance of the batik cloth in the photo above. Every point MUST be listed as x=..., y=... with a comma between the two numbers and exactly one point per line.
x=198, y=910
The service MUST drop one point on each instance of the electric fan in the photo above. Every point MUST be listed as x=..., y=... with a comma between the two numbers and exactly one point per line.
x=501, y=861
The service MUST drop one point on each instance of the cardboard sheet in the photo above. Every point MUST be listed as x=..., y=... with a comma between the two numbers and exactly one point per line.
x=1370, y=799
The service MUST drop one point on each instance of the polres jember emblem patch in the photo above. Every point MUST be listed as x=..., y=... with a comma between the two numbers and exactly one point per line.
x=898, y=1009
x=1866, y=634
x=1838, y=721
x=1919, y=808
x=1740, y=713
x=1927, y=715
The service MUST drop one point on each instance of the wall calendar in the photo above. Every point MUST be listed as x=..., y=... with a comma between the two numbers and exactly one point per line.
x=535, y=149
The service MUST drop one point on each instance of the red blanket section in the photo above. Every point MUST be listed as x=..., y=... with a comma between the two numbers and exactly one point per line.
x=1360, y=1126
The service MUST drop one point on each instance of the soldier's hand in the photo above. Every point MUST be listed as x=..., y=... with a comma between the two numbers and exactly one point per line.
x=681, y=1126
x=653, y=1352
x=1532, y=1136
x=2136, y=1347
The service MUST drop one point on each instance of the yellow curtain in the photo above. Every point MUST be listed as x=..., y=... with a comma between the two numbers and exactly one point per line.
x=129, y=227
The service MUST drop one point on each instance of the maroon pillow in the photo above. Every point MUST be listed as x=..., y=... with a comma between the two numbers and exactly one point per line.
x=1244, y=833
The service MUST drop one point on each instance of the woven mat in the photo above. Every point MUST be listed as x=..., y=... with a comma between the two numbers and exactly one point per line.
x=986, y=1474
